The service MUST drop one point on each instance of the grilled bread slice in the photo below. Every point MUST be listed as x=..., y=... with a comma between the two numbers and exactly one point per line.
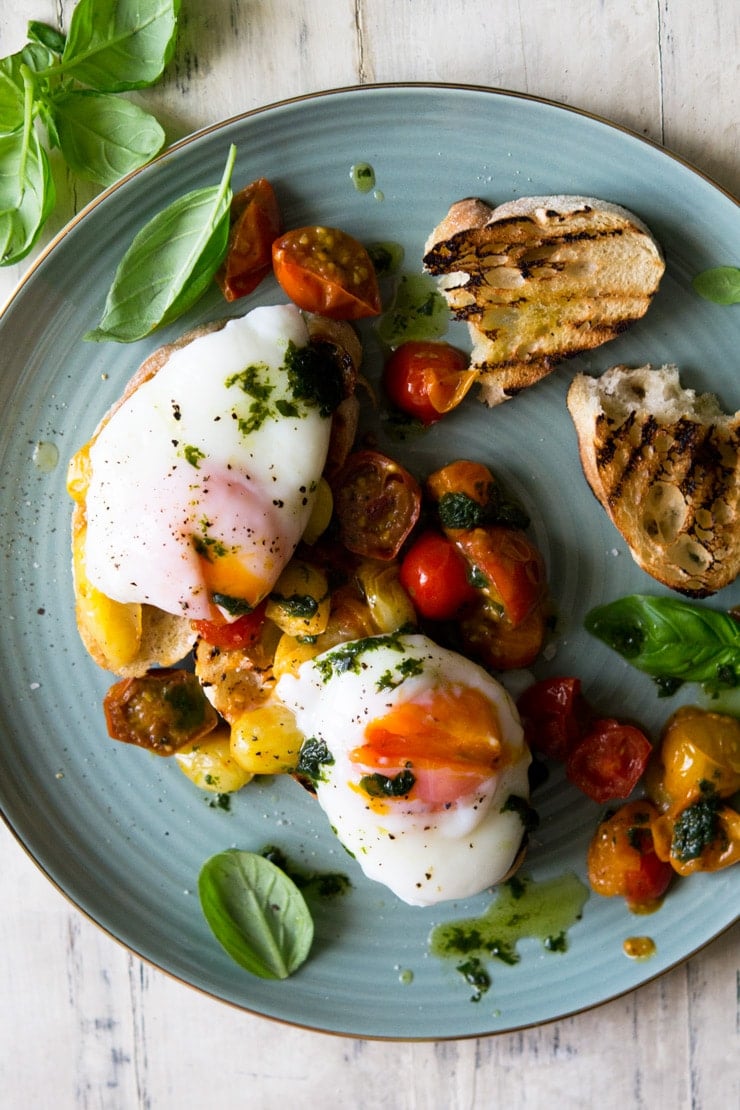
x=129, y=639
x=541, y=279
x=663, y=462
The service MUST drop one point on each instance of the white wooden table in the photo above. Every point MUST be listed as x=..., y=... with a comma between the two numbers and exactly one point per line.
x=85, y=1024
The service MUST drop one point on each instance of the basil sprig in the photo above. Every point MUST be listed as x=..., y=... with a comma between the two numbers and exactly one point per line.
x=669, y=638
x=69, y=84
x=256, y=913
x=170, y=263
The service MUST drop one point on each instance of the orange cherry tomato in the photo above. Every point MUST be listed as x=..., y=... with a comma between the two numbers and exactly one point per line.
x=377, y=503
x=510, y=568
x=255, y=223
x=425, y=380
x=326, y=271
x=622, y=859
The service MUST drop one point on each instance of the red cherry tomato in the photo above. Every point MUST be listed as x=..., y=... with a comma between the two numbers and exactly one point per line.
x=326, y=271
x=554, y=714
x=425, y=380
x=241, y=633
x=434, y=574
x=255, y=223
x=511, y=569
x=622, y=859
x=609, y=760
x=377, y=503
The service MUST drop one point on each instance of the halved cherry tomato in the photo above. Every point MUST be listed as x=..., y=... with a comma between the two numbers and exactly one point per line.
x=609, y=759
x=425, y=380
x=241, y=633
x=434, y=574
x=622, y=859
x=162, y=710
x=554, y=714
x=255, y=224
x=510, y=568
x=500, y=645
x=377, y=503
x=324, y=270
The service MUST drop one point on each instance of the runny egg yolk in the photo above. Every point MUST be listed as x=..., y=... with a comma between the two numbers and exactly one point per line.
x=449, y=740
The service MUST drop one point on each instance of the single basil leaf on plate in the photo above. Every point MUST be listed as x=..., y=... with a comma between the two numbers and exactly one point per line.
x=170, y=263
x=256, y=912
x=720, y=284
x=103, y=136
x=26, y=193
x=668, y=638
x=48, y=36
x=114, y=45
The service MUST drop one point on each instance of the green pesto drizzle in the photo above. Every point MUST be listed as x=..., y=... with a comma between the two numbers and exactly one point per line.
x=522, y=908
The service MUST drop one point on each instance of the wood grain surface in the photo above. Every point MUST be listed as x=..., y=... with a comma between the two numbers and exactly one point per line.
x=83, y=1024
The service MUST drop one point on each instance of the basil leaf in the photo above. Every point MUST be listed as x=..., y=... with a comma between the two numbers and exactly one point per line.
x=256, y=913
x=103, y=137
x=26, y=193
x=665, y=637
x=12, y=88
x=720, y=284
x=48, y=36
x=115, y=45
x=170, y=263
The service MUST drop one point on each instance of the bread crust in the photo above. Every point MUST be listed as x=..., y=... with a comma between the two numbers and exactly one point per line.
x=663, y=463
x=541, y=279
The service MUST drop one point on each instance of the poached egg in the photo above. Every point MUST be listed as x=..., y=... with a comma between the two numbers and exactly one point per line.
x=203, y=480
x=419, y=763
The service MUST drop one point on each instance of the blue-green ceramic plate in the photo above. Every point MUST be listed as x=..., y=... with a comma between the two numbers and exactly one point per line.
x=123, y=833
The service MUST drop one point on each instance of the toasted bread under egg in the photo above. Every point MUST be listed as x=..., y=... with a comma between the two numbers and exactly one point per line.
x=541, y=279
x=663, y=462
x=130, y=639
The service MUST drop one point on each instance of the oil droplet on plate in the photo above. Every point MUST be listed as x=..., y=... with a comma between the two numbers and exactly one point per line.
x=406, y=976
x=45, y=456
x=639, y=948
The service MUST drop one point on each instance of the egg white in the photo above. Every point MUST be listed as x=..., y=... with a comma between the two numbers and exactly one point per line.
x=423, y=853
x=184, y=465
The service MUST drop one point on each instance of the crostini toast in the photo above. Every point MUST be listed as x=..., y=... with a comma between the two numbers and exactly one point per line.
x=663, y=462
x=540, y=279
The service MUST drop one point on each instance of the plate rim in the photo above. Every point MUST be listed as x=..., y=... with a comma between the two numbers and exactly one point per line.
x=182, y=144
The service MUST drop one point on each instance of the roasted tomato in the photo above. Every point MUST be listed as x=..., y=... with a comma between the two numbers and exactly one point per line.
x=425, y=380
x=255, y=223
x=500, y=645
x=622, y=859
x=435, y=576
x=241, y=633
x=324, y=270
x=703, y=837
x=162, y=710
x=507, y=568
x=609, y=759
x=554, y=714
x=377, y=503
x=696, y=747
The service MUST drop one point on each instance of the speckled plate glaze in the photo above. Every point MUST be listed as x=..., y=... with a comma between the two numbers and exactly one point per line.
x=123, y=833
